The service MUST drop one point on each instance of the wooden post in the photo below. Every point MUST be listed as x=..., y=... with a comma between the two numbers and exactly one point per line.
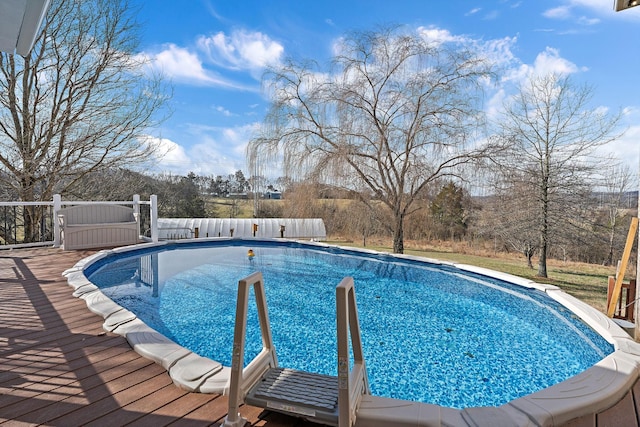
x=615, y=296
x=625, y=309
x=610, y=285
x=631, y=297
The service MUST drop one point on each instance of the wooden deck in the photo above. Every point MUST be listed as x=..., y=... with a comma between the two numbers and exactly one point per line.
x=59, y=368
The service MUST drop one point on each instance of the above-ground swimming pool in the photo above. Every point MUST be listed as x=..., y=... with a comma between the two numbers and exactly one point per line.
x=438, y=333
x=432, y=333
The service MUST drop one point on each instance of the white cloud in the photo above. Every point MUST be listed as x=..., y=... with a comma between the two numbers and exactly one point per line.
x=499, y=51
x=547, y=61
x=495, y=105
x=550, y=61
x=439, y=35
x=571, y=10
x=212, y=151
x=625, y=149
x=238, y=138
x=560, y=12
x=242, y=50
x=182, y=65
x=602, y=8
x=171, y=156
x=473, y=11
x=224, y=111
x=583, y=20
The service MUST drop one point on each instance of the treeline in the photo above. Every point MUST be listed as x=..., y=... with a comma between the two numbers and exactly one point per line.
x=593, y=232
x=178, y=196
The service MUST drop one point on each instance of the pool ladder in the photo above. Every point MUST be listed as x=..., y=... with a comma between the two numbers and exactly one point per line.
x=325, y=399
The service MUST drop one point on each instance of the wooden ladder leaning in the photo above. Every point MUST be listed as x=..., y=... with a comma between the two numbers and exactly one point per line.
x=617, y=288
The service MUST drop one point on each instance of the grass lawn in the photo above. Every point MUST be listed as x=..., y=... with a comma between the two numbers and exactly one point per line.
x=587, y=282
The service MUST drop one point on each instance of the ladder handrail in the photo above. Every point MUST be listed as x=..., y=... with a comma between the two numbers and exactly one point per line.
x=351, y=385
x=242, y=378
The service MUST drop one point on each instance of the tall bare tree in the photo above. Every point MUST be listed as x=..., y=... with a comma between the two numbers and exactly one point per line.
x=618, y=184
x=510, y=221
x=552, y=132
x=393, y=115
x=79, y=103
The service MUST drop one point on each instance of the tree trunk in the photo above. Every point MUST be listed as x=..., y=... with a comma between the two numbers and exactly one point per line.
x=542, y=261
x=609, y=260
x=544, y=213
x=30, y=222
x=30, y=214
x=529, y=254
x=398, y=234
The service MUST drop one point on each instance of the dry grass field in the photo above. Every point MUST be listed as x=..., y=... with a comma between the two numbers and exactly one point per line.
x=588, y=282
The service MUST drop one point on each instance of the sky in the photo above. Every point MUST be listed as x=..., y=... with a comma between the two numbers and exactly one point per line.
x=214, y=53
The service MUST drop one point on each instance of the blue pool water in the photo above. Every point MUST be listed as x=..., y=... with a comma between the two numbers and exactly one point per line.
x=430, y=333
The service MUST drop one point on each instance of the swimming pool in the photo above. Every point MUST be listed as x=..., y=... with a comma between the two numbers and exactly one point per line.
x=431, y=333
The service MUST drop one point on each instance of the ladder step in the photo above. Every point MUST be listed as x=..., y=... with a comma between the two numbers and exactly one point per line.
x=314, y=396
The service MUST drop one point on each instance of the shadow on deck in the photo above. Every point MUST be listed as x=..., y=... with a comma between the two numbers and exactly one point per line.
x=59, y=368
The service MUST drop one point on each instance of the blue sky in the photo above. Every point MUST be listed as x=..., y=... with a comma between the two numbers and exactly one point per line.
x=214, y=53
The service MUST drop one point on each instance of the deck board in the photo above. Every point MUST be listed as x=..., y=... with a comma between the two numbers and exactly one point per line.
x=58, y=367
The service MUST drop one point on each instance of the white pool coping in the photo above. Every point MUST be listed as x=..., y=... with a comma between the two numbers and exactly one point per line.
x=590, y=392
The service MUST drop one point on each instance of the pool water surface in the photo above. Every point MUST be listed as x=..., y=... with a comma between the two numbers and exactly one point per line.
x=431, y=333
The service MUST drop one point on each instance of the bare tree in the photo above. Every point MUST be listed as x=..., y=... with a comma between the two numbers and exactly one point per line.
x=618, y=183
x=79, y=103
x=511, y=222
x=362, y=220
x=552, y=134
x=393, y=115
